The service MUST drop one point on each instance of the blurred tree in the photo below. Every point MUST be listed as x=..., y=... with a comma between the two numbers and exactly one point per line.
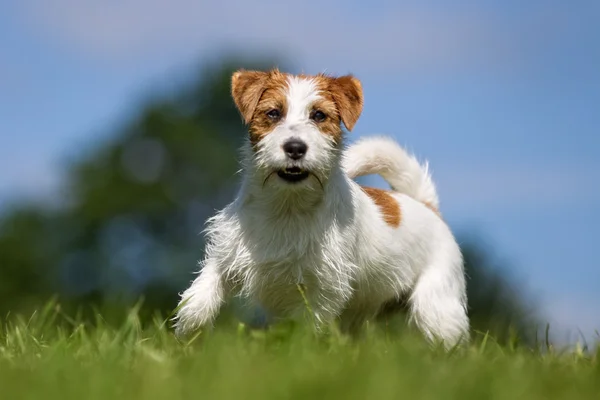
x=137, y=203
x=497, y=303
x=25, y=249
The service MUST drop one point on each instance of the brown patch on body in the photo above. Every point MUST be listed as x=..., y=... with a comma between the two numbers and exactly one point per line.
x=255, y=93
x=390, y=209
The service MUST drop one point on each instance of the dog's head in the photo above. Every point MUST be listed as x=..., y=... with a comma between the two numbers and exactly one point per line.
x=295, y=122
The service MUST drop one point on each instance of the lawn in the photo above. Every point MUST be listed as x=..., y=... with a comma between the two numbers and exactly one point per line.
x=52, y=356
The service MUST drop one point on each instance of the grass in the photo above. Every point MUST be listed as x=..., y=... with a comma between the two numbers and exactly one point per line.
x=50, y=355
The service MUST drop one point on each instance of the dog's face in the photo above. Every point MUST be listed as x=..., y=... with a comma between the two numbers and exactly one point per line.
x=295, y=122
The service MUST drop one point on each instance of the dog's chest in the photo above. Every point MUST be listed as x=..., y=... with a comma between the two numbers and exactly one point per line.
x=277, y=284
x=289, y=261
x=281, y=262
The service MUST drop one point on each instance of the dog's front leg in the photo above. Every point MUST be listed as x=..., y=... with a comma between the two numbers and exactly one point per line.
x=201, y=302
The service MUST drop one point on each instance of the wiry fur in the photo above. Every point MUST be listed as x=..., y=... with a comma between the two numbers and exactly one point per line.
x=328, y=235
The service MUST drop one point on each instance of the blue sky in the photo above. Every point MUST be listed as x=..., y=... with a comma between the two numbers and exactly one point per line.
x=502, y=98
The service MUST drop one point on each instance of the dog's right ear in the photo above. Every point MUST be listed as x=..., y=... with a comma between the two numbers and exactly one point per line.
x=246, y=89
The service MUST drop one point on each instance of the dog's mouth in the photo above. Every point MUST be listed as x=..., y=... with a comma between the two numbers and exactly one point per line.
x=293, y=174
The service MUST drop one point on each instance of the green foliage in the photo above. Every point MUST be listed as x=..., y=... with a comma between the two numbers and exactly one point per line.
x=51, y=355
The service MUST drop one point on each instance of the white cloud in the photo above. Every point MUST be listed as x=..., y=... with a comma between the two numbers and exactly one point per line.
x=401, y=36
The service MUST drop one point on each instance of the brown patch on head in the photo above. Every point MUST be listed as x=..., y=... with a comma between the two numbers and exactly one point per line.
x=387, y=204
x=246, y=89
x=342, y=102
x=256, y=93
x=330, y=126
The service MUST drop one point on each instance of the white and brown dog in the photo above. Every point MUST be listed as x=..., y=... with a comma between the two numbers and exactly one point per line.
x=300, y=219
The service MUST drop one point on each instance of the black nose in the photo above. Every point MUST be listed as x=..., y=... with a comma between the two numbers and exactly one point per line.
x=295, y=149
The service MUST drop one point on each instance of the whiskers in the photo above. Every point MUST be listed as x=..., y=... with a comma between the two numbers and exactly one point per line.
x=267, y=178
x=319, y=180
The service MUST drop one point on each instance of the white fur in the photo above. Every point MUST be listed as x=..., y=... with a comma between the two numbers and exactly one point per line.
x=332, y=238
x=383, y=156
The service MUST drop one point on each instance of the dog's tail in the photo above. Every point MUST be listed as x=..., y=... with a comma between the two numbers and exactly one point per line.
x=384, y=156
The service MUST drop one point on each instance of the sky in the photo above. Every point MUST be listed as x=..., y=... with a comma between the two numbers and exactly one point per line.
x=501, y=97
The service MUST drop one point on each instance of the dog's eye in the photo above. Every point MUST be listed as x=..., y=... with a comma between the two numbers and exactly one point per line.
x=274, y=114
x=318, y=116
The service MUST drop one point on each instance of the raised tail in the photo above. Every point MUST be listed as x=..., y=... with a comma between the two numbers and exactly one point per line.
x=384, y=156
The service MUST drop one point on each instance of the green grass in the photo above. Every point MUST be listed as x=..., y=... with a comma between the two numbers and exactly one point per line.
x=50, y=355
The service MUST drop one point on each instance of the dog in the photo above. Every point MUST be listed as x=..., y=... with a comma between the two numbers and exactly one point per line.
x=301, y=230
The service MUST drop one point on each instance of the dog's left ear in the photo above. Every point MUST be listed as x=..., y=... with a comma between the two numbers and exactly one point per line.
x=348, y=95
x=246, y=89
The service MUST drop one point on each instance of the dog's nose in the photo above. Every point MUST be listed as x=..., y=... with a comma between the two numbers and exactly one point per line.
x=295, y=149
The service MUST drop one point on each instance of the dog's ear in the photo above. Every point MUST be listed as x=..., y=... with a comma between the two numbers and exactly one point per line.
x=348, y=95
x=246, y=89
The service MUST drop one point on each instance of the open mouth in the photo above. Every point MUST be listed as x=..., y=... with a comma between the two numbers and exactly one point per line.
x=293, y=174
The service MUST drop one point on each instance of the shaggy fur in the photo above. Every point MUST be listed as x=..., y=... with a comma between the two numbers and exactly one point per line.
x=352, y=249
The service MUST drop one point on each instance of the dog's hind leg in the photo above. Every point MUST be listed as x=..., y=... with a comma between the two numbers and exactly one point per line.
x=438, y=305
